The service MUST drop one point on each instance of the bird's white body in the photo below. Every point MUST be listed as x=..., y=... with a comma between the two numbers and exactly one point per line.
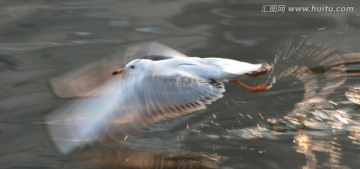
x=219, y=69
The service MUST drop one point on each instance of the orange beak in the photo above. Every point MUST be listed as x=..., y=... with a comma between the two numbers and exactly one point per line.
x=119, y=72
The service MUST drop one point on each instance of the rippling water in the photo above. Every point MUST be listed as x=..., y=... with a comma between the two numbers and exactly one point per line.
x=307, y=120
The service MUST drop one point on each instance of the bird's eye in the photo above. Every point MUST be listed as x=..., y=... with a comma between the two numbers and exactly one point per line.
x=132, y=67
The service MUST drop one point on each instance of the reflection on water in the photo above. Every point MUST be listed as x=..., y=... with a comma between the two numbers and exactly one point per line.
x=310, y=145
x=141, y=159
x=354, y=94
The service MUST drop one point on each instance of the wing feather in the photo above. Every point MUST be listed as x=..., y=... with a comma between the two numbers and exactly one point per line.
x=177, y=94
x=127, y=104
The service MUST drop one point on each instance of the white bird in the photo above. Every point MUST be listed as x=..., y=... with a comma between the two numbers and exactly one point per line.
x=162, y=84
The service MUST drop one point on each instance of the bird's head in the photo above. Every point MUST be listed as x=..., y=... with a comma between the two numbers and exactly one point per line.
x=137, y=65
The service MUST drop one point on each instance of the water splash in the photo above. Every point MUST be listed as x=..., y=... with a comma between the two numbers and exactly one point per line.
x=325, y=110
x=321, y=71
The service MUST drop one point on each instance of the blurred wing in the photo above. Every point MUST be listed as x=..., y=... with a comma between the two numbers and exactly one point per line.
x=125, y=105
x=83, y=120
x=86, y=80
x=152, y=51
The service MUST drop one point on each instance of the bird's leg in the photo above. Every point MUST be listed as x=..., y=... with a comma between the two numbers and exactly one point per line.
x=251, y=88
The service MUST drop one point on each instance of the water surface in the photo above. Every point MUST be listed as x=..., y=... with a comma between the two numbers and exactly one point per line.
x=40, y=40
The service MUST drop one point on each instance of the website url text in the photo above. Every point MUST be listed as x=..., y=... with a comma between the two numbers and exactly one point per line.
x=312, y=8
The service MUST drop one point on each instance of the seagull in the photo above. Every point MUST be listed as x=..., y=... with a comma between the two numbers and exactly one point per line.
x=209, y=70
x=160, y=83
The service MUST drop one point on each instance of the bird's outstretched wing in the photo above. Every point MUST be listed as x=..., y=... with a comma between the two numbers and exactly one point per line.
x=82, y=121
x=86, y=80
x=152, y=51
x=169, y=96
x=123, y=105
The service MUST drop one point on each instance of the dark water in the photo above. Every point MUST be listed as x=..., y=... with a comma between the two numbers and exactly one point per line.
x=40, y=40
